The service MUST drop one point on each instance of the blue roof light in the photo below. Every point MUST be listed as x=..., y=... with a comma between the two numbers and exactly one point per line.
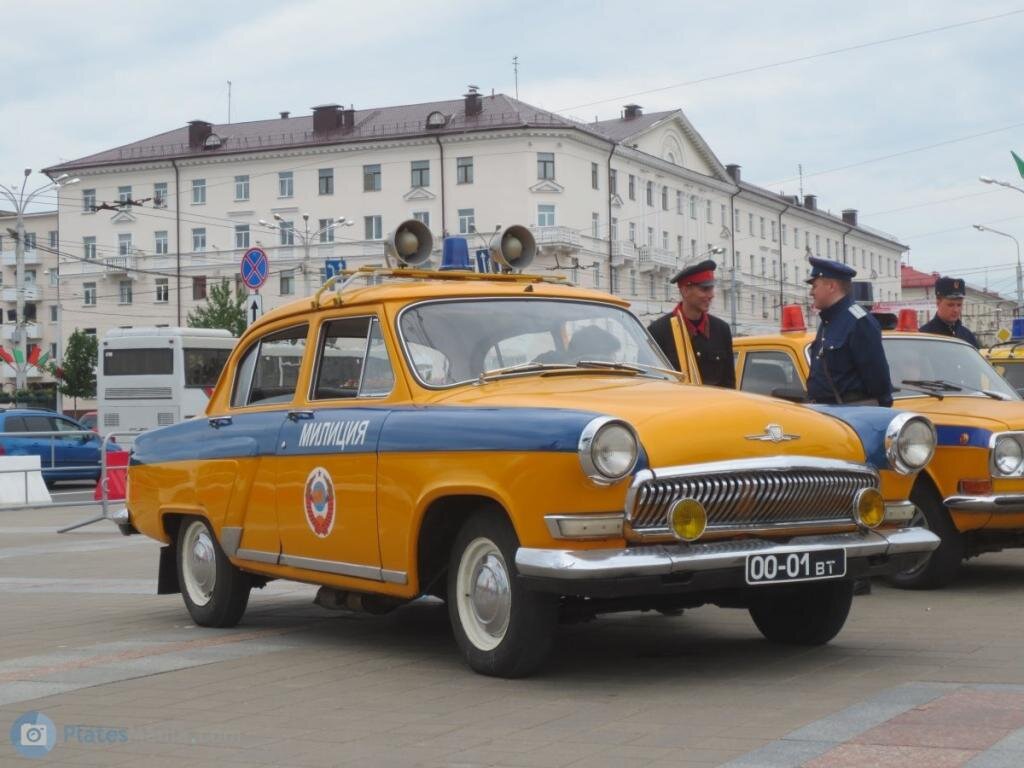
x=455, y=254
x=1017, y=329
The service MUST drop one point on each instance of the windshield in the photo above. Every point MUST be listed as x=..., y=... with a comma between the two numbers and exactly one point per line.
x=450, y=342
x=955, y=363
x=1012, y=372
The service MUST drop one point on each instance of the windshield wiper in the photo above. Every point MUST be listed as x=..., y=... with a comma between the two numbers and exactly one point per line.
x=633, y=367
x=947, y=386
x=921, y=388
x=513, y=370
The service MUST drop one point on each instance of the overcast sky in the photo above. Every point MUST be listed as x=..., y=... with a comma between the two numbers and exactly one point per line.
x=83, y=77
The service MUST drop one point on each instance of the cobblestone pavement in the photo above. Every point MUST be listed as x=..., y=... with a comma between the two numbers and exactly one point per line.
x=915, y=678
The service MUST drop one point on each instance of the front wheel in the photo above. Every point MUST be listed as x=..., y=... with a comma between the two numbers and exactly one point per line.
x=941, y=566
x=502, y=628
x=803, y=614
x=216, y=593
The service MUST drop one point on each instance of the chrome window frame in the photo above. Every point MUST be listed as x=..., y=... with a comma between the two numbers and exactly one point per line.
x=321, y=340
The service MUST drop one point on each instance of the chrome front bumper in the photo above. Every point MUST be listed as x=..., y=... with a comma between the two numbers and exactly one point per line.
x=662, y=560
x=1005, y=503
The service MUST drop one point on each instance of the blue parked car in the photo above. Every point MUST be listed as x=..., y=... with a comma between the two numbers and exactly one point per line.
x=62, y=457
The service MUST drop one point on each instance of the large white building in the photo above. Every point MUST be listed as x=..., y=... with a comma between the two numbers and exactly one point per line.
x=619, y=204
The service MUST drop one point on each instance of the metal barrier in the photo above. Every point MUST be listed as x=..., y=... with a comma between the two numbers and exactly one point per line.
x=104, y=502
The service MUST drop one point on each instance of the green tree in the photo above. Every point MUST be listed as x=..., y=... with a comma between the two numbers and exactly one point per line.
x=80, y=366
x=220, y=311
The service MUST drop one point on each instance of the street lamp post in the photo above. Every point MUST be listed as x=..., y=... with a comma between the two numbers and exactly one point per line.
x=1008, y=185
x=1020, y=277
x=20, y=201
x=307, y=238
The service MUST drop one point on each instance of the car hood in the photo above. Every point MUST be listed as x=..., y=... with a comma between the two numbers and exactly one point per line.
x=677, y=423
x=977, y=412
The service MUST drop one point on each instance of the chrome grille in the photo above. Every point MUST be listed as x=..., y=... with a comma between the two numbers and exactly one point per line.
x=757, y=496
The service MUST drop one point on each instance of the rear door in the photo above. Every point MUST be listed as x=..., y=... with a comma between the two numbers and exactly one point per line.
x=46, y=448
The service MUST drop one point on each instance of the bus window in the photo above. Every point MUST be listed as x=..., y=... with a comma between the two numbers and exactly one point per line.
x=203, y=366
x=157, y=361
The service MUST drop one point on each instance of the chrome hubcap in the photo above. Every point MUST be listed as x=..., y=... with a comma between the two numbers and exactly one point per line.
x=918, y=520
x=485, y=594
x=200, y=564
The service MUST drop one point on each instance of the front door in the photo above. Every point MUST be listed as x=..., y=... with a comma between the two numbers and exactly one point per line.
x=684, y=350
x=327, y=454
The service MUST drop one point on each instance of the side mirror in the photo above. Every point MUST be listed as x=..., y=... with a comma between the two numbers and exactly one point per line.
x=792, y=394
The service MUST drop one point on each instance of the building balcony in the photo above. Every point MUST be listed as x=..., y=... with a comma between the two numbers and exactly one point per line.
x=32, y=331
x=32, y=258
x=623, y=252
x=32, y=293
x=119, y=265
x=556, y=238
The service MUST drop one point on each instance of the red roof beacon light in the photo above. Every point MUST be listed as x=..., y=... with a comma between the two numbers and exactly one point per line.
x=793, y=319
x=907, y=321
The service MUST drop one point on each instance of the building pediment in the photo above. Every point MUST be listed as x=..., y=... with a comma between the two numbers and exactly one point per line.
x=547, y=185
x=122, y=217
x=616, y=201
x=419, y=193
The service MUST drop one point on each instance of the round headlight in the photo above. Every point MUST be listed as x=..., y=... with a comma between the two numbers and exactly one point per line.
x=909, y=443
x=688, y=519
x=869, y=507
x=608, y=450
x=1007, y=455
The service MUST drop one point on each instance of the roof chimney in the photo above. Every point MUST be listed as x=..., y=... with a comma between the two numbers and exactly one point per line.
x=811, y=202
x=348, y=118
x=632, y=111
x=850, y=216
x=198, y=132
x=474, y=102
x=284, y=115
x=734, y=172
x=326, y=118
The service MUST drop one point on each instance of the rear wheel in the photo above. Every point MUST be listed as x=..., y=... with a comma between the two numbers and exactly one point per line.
x=216, y=593
x=941, y=566
x=502, y=628
x=803, y=614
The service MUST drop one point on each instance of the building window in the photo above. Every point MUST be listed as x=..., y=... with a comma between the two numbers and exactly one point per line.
x=707, y=211
x=89, y=294
x=723, y=215
x=762, y=227
x=199, y=239
x=88, y=200
x=828, y=247
x=241, y=235
x=664, y=198
x=750, y=224
x=464, y=170
x=326, y=230
x=679, y=246
x=467, y=221
x=632, y=187
x=595, y=225
x=613, y=181
x=198, y=191
x=199, y=288
x=287, y=283
x=422, y=216
x=650, y=237
x=124, y=244
x=783, y=235
x=664, y=239
x=163, y=292
x=545, y=215
x=285, y=184
x=287, y=232
x=325, y=185
x=124, y=292
x=124, y=194
x=763, y=266
x=545, y=165
x=52, y=235
x=160, y=242
x=679, y=201
x=650, y=193
x=53, y=313
x=693, y=249
x=54, y=278
x=632, y=282
x=817, y=245
x=421, y=173
x=693, y=207
x=241, y=187
x=632, y=232
x=372, y=228
x=773, y=231
x=615, y=228
x=371, y=178
x=594, y=171
x=89, y=247
x=30, y=241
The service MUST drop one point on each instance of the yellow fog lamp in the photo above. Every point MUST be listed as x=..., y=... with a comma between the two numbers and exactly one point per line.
x=687, y=519
x=869, y=507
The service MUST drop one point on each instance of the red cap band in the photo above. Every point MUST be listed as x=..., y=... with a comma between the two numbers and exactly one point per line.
x=699, y=277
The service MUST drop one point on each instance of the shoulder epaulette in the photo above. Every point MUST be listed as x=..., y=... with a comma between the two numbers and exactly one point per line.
x=858, y=311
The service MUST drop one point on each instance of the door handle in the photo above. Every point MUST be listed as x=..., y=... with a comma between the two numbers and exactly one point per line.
x=300, y=415
x=219, y=421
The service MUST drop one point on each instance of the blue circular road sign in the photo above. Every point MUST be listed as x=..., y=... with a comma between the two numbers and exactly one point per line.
x=255, y=268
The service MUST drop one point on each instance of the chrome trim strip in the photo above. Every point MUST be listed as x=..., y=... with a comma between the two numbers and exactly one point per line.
x=899, y=511
x=1004, y=503
x=230, y=538
x=394, y=577
x=552, y=522
x=257, y=556
x=687, y=558
x=333, y=566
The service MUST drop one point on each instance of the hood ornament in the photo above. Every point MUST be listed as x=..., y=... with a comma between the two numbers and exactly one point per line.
x=773, y=433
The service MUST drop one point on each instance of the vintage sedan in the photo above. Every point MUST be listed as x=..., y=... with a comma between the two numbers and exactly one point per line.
x=515, y=446
x=972, y=493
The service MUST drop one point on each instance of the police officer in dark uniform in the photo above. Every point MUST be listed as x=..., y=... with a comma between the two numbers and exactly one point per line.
x=710, y=337
x=848, y=363
x=949, y=306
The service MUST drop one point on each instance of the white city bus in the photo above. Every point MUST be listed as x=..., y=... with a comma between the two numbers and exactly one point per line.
x=152, y=377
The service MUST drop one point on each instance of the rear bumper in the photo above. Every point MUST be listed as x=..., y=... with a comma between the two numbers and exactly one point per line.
x=1005, y=503
x=712, y=565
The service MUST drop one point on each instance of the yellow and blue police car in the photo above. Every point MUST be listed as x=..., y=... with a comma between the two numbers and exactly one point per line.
x=517, y=447
x=1007, y=357
x=972, y=493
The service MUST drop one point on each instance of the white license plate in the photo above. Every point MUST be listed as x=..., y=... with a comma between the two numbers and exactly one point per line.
x=796, y=566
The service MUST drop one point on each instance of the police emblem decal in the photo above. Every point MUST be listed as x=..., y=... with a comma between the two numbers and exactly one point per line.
x=319, y=502
x=773, y=433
